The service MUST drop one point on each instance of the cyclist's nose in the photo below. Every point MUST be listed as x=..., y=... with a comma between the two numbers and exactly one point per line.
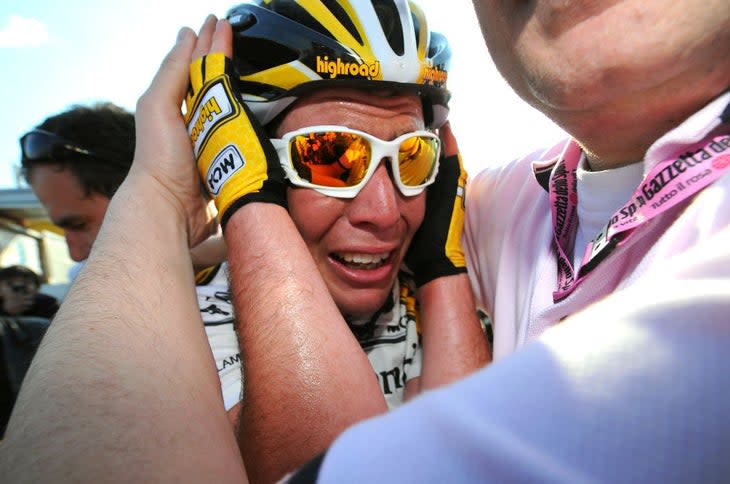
x=377, y=203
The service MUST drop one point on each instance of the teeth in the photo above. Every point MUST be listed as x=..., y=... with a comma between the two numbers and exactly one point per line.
x=366, y=261
x=364, y=258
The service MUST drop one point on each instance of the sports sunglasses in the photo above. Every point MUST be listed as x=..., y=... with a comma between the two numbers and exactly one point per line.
x=38, y=145
x=338, y=161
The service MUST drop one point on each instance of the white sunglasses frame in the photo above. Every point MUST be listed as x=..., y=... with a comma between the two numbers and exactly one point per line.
x=380, y=149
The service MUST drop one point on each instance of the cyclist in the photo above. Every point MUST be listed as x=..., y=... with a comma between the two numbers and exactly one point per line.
x=359, y=219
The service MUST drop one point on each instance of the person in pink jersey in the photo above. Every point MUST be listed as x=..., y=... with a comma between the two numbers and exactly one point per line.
x=562, y=228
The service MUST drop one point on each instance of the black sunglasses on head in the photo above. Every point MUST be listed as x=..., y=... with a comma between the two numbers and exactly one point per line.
x=39, y=145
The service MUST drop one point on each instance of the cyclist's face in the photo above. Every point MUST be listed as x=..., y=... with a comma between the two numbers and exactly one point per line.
x=358, y=244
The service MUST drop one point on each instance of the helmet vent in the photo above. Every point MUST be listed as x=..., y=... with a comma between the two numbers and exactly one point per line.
x=299, y=14
x=389, y=18
x=342, y=16
x=260, y=54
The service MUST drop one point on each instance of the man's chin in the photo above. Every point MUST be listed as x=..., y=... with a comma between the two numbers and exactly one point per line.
x=363, y=308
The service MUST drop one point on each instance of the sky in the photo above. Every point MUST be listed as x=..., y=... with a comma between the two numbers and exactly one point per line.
x=57, y=54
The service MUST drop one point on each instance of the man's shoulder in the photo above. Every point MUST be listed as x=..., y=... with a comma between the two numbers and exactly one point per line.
x=517, y=174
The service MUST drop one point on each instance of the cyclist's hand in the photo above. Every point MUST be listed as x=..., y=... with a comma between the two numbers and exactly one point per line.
x=436, y=247
x=236, y=161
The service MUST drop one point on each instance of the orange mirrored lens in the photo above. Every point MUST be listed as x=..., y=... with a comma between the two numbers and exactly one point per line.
x=416, y=160
x=330, y=159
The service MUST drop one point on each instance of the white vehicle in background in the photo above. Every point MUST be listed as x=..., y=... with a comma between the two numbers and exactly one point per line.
x=28, y=238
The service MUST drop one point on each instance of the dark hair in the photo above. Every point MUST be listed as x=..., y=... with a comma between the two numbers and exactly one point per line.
x=18, y=272
x=104, y=129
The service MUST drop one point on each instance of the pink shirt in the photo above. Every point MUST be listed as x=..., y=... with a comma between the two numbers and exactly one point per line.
x=510, y=247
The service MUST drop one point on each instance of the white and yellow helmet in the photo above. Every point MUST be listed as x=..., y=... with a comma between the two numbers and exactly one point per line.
x=283, y=48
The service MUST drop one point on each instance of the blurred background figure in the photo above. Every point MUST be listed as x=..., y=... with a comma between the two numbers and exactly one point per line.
x=24, y=317
x=20, y=296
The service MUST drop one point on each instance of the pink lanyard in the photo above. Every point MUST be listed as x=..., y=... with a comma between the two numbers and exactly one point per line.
x=668, y=183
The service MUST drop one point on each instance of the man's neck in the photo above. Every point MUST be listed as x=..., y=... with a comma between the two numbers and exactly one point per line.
x=596, y=163
x=619, y=133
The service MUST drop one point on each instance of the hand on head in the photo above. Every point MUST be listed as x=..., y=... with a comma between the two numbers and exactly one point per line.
x=436, y=248
x=163, y=154
x=235, y=158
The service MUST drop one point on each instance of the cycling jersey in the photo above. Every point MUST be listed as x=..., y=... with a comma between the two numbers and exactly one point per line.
x=390, y=338
x=216, y=310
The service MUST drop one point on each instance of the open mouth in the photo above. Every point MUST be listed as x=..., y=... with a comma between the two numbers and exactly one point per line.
x=361, y=261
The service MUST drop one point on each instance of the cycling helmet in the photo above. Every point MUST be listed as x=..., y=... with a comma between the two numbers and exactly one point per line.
x=283, y=48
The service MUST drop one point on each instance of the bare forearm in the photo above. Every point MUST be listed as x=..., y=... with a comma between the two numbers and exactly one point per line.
x=125, y=352
x=305, y=376
x=454, y=344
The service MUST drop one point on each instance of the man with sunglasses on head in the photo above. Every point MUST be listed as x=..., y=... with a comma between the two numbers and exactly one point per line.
x=350, y=287
x=74, y=162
